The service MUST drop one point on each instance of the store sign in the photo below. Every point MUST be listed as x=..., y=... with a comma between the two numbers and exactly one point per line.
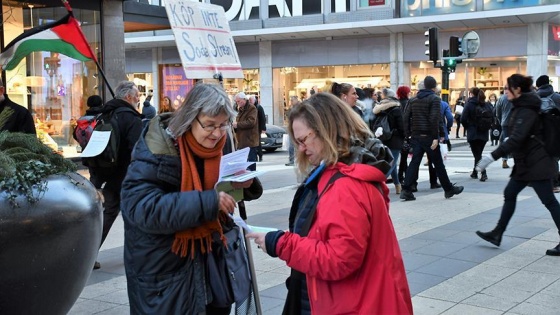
x=436, y=7
x=241, y=9
x=203, y=39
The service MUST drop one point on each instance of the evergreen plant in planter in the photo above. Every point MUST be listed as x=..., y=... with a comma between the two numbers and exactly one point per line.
x=50, y=228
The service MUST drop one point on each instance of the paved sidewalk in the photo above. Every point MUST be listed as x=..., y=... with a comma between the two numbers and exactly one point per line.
x=449, y=269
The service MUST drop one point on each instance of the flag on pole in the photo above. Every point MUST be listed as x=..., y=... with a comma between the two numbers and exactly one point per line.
x=63, y=36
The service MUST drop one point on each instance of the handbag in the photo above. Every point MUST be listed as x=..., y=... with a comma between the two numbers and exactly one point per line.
x=227, y=268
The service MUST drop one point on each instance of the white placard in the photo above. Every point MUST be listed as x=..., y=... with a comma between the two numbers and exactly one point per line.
x=203, y=39
x=96, y=144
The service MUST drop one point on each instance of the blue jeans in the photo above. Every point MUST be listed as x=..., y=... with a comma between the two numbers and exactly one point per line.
x=252, y=158
x=393, y=171
x=421, y=145
x=543, y=188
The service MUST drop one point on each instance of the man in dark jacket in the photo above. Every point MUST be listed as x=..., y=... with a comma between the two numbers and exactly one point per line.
x=544, y=89
x=14, y=117
x=421, y=125
x=109, y=180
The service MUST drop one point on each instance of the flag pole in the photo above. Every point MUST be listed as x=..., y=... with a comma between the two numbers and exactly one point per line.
x=83, y=37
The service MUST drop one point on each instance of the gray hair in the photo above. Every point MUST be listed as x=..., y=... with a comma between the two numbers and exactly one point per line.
x=420, y=85
x=206, y=98
x=125, y=88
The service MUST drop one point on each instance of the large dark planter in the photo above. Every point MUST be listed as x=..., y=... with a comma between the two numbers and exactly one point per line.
x=47, y=249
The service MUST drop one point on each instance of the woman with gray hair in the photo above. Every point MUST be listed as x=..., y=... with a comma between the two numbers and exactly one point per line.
x=171, y=210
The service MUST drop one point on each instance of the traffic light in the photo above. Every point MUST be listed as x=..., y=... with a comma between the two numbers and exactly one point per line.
x=455, y=49
x=449, y=63
x=432, y=44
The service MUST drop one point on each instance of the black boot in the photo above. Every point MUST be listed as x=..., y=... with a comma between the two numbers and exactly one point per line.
x=494, y=236
x=483, y=176
x=474, y=174
x=554, y=251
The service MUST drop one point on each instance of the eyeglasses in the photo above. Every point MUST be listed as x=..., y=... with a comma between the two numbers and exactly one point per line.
x=301, y=142
x=212, y=128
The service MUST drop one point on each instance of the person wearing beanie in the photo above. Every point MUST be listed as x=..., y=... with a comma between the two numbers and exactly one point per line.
x=148, y=111
x=542, y=80
x=94, y=101
x=421, y=124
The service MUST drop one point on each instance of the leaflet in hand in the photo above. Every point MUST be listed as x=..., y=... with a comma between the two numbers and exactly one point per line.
x=233, y=167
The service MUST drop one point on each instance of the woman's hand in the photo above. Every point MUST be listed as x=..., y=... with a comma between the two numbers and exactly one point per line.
x=226, y=202
x=245, y=184
x=259, y=239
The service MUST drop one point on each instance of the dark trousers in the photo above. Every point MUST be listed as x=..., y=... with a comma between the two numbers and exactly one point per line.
x=112, y=205
x=543, y=188
x=458, y=121
x=503, y=136
x=403, y=165
x=421, y=145
x=477, y=147
x=253, y=157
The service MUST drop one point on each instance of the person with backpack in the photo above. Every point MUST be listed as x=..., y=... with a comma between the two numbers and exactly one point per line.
x=547, y=95
x=86, y=124
x=534, y=166
x=389, y=109
x=126, y=123
x=477, y=118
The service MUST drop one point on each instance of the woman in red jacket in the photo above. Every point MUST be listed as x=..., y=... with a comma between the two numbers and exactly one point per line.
x=341, y=237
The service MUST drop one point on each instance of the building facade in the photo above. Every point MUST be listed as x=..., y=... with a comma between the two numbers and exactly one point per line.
x=291, y=47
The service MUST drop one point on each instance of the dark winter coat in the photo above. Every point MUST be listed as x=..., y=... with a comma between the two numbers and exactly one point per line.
x=130, y=127
x=20, y=120
x=391, y=107
x=468, y=119
x=547, y=90
x=531, y=160
x=423, y=115
x=160, y=282
x=247, y=131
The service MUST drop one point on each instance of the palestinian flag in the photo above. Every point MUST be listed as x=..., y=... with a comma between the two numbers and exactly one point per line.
x=63, y=36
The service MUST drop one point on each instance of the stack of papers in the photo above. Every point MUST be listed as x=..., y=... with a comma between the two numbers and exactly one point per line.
x=233, y=168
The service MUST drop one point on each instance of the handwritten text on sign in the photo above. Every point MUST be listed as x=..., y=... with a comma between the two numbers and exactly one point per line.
x=203, y=39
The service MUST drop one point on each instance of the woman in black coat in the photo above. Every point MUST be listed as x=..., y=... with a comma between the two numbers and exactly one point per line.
x=477, y=135
x=532, y=166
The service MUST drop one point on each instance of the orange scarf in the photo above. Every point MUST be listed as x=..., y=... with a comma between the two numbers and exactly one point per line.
x=190, y=180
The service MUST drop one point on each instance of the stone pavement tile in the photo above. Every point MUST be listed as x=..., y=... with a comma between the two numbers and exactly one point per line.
x=508, y=242
x=526, y=308
x=274, y=311
x=410, y=244
x=419, y=282
x=447, y=292
x=490, y=301
x=99, y=289
x=485, y=217
x=507, y=292
x=462, y=225
x=437, y=234
x=529, y=281
x=270, y=279
x=278, y=292
x=413, y=261
x=116, y=297
x=428, y=306
x=553, y=289
x=87, y=307
x=475, y=253
x=547, y=264
x=119, y=310
x=524, y=231
x=273, y=298
x=440, y=248
x=533, y=246
x=462, y=309
x=544, y=300
x=446, y=267
x=463, y=237
x=481, y=277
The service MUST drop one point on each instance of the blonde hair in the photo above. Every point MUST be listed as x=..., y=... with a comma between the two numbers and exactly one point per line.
x=333, y=122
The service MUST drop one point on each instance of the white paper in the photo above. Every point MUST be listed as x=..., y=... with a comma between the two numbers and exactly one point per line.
x=233, y=167
x=96, y=144
x=251, y=228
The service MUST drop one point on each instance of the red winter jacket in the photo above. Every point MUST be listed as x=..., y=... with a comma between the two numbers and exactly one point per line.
x=351, y=256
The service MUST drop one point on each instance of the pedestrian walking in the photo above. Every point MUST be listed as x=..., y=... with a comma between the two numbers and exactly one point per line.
x=533, y=165
x=422, y=126
x=503, y=114
x=341, y=239
x=477, y=118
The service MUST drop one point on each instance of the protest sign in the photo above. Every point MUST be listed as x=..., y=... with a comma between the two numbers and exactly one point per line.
x=203, y=39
